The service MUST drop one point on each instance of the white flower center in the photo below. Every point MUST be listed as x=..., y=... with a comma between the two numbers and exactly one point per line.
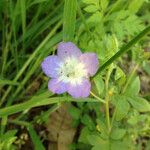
x=72, y=70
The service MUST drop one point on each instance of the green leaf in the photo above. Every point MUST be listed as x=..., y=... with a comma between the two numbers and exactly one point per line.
x=102, y=127
x=139, y=103
x=95, y=18
x=95, y=139
x=98, y=142
x=90, y=1
x=74, y=112
x=122, y=107
x=91, y=8
x=6, y=140
x=85, y=132
x=40, y=101
x=7, y=82
x=124, y=49
x=99, y=84
x=69, y=20
x=86, y=120
x=135, y=5
x=104, y=4
x=123, y=145
x=117, y=133
x=119, y=73
x=133, y=87
x=35, y=138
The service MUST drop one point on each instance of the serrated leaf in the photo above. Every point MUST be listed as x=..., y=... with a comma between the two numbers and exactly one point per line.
x=122, y=107
x=91, y=8
x=104, y=4
x=139, y=103
x=102, y=128
x=85, y=132
x=117, y=134
x=90, y=1
x=96, y=18
x=86, y=120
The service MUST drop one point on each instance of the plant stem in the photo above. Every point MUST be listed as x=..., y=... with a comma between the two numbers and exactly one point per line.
x=124, y=89
x=101, y=100
x=107, y=98
x=18, y=122
x=130, y=78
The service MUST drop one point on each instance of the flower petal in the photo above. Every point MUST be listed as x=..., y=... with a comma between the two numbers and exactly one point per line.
x=66, y=49
x=90, y=61
x=56, y=86
x=49, y=65
x=79, y=90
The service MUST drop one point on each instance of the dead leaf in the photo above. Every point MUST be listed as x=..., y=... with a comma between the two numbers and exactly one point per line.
x=61, y=132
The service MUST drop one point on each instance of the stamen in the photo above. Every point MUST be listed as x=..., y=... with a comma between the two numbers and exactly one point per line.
x=72, y=70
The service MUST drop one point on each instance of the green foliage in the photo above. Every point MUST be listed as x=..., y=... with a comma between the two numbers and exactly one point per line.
x=30, y=30
x=122, y=107
x=133, y=87
x=37, y=143
x=99, y=84
x=139, y=103
x=7, y=140
x=69, y=20
x=118, y=134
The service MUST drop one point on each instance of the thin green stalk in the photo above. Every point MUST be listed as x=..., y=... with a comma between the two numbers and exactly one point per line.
x=23, y=18
x=107, y=98
x=124, y=49
x=130, y=78
x=18, y=122
x=5, y=53
x=101, y=100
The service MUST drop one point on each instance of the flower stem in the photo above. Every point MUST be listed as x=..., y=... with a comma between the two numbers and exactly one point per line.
x=107, y=98
x=101, y=100
x=124, y=89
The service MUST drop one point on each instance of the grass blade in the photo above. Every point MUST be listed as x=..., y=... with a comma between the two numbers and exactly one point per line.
x=35, y=139
x=69, y=20
x=7, y=82
x=38, y=101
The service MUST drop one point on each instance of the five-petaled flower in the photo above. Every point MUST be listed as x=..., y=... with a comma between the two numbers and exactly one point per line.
x=70, y=70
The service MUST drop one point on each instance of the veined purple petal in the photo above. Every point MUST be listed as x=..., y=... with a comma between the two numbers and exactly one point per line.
x=90, y=61
x=49, y=66
x=56, y=86
x=79, y=90
x=68, y=49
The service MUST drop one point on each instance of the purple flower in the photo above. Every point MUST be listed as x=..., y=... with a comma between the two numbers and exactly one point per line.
x=70, y=70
